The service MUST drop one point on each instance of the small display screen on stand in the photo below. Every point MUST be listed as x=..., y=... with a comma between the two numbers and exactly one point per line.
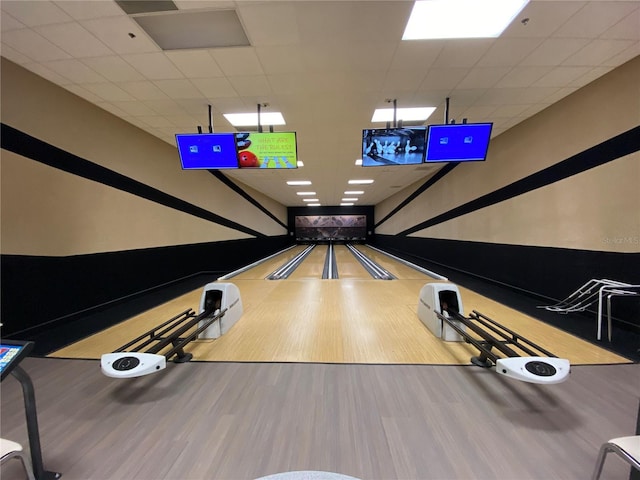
x=11, y=354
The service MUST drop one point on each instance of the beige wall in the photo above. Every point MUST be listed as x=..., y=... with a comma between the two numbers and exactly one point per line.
x=46, y=211
x=594, y=210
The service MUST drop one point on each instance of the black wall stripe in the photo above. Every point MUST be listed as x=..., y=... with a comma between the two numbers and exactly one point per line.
x=227, y=181
x=27, y=146
x=46, y=291
x=439, y=174
x=607, y=151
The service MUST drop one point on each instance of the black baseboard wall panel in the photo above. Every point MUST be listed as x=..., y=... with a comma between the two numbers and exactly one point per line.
x=547, y=273
x=37, y=290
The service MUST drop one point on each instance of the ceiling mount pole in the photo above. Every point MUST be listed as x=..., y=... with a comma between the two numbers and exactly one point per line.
x=446, y=111
x=395, y=108
x=210, y=120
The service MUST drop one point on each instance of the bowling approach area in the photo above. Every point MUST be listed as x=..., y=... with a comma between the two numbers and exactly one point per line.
x=354, y=318
x=345, y=375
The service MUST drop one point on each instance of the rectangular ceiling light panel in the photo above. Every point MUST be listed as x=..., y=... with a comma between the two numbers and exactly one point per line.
x=250, y=119
x=431, y=19
x=404, y=114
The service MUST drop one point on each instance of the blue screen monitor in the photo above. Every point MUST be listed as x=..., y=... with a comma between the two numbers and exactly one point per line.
x=212, y=151
x=393, y=146
x=463, y=142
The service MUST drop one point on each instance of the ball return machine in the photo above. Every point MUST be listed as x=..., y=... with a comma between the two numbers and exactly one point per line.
x=440, y=309
x=220, y=309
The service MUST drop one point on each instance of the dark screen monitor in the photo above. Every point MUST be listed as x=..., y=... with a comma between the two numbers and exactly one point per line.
x=267, y=150
x=211, y=151
x=463, y=142
x=12, y=352
x=393, y=146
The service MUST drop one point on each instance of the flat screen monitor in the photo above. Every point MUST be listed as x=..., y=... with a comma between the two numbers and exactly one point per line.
x=267, y=150
x=212, y=151
x=463, y=142
x=393, y=146
x=11, y=354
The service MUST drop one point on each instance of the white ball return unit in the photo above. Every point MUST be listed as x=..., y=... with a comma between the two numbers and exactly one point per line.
x=166, y=341
x=440, y=309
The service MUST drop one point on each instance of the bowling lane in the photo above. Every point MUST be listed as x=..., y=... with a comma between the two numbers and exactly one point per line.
x=312, y=266
x=264, y=269
x=397, y=269
x=348, y=265
x=350, y=320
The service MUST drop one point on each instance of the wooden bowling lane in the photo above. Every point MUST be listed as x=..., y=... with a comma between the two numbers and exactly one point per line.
x=349, y=320
x=312, y=266
x=397, y=269
x=348, y=265
x=269, y=266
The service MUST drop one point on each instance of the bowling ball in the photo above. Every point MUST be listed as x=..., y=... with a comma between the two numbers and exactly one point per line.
x=248, y=159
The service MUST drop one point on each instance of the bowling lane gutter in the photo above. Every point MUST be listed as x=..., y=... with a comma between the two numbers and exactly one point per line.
x=375, y=270
x=288, y=268
x=330, y=270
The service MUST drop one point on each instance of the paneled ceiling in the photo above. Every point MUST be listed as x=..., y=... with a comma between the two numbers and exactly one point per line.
x=326, y=65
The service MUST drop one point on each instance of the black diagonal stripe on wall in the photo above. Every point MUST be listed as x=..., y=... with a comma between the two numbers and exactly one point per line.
x=27, y=146
x=227, y=181
x=432, y=180
x=607, y=151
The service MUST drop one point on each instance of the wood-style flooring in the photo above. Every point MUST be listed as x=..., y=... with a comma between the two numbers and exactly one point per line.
x=241, y=421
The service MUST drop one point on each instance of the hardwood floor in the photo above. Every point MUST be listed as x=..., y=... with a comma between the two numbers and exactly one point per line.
x=237, y=421
x=354, y=319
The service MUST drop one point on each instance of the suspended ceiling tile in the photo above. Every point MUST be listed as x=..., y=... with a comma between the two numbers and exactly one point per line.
x=215, y=87
x=195, y=63
x=270, y=24
x=544, y=18
x=113, y=68
x=507, y=51
x=7, y=22
x=154, y=66
x=84, y=10
x=114, y=33
x=178, y=88
x=108, y=92
x=522, y=76
x=74, y=39
x=143, y=90
x=33, y=13
x=237, y=61
x=75, y=71
x=554, y=51
x=33, y=45
x=595, y=18
x=598, y=52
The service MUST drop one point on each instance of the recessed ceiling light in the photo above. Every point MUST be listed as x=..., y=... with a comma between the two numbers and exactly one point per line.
x=309, y=199
x=313, y=204
x=354, y=192
x=300, y=163
x=250, y=119
x=360, y=182
x=359, y=161
x=461, y=18
x=349, y=199
x=305, y=193
x=298, y=182
x=408, y=114
x=346, y=204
